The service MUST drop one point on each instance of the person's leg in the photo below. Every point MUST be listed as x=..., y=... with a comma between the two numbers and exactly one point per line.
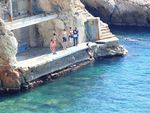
x=69, y=41
x=77, y=41
x=65, y=45
x=74, y=41
x=50, y=48
x=54, y=49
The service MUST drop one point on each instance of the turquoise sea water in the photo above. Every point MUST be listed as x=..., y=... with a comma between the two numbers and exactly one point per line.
x=112, y=85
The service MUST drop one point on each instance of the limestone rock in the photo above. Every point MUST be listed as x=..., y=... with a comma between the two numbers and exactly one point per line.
x=8, y=45
x=111, y=51
x=121, y=12
x=9, y=78
x=64, y=21
x=54, y=5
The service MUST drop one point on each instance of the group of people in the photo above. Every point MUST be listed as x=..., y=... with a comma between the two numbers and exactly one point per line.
x=67, y=36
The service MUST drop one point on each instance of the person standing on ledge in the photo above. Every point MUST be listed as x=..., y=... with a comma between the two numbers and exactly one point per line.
x=70, y=37
x=75, y=36
x=53, y=44
x=64, y=39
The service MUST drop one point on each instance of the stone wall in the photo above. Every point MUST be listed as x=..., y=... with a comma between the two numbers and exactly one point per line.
x=56, y=64
x=20, y=7
x=92, y=30
x=27, y=37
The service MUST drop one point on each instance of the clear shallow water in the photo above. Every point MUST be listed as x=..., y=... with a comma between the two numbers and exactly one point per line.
x=114, y=85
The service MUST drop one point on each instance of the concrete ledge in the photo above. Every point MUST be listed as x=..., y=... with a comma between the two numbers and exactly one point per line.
x=110, y=42
x=28, y=21
x=45, y=64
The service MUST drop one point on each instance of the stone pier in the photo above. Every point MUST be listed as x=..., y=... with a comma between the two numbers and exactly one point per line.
x=35, y=64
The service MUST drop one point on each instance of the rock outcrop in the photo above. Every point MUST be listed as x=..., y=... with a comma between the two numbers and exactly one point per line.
x=9, y=78
x=8, y=45
x=65, y=19
x=111, y=51
x=71, y=13
x=121, y=12
x=110, y=47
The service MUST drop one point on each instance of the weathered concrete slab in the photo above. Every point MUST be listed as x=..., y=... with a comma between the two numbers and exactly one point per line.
x=48, y=63
x=28, y=21
x=107, y=40
x=110, y=47
x=110, y=42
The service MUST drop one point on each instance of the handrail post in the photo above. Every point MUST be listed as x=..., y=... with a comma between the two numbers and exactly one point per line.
x=10, y=10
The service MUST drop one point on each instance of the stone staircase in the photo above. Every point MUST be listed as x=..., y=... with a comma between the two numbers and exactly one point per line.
x=80, y=8
x=104, y=31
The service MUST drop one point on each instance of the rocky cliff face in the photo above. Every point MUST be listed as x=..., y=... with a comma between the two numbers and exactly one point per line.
x=121, y=12
x=9, y=78
x=8, y=45
x=54, y=5
x=68, y=16
x=71, y=13
x=64, y=20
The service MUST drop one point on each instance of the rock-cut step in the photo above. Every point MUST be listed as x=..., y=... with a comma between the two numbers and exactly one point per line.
x=104, y=28
x=107, y=36
x=104, y=41
x=105, y=31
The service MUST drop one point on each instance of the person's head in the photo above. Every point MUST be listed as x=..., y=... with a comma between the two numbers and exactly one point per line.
x=87, y=44
x=75, y=28
x=64, y=29
x=70, y=28
x=54, y=34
